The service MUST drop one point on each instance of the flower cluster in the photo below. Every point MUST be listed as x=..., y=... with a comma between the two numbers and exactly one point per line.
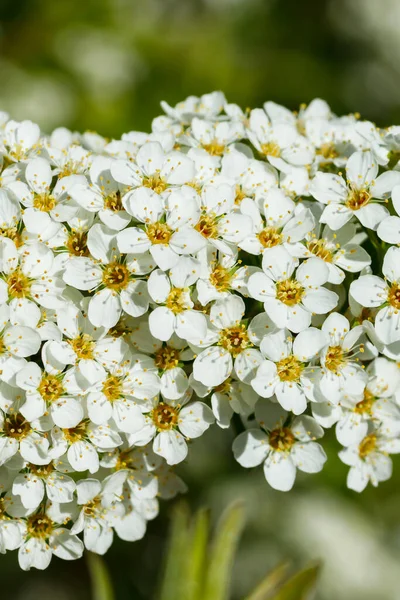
x=228, y=267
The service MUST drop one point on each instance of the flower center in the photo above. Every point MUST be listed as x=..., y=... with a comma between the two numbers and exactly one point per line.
x=220, y=278
x=164, y=416
x=39, y=526
x=234, y=339
x=240, y=195
x=224, y=387
x=13, y=234
x=159, y=233
x=367, y=445
x=281, y=439
x=269, y=237
x=394, y=295
x=176, y=300
x=364, y=407
x=214, y=148
x=318, y=248
x=19, y=285
x=50, y=388
x=76, y=434
x=125, y=461
x=15, y=426
x=289, y=291
x=121, y=329
x=44, y=202
x=2, y=346
x=77, y=243
x=92, y=507
x=156, y=183
x=167, y=358
x=83, y=346
x=334, y=358
x=115, y=276
x=289, y=368
x=271, y=149
x=112, y=388
x=357, y=199
x=41, y=470
x=327, y=151
x=113, y=202
x=208, y=226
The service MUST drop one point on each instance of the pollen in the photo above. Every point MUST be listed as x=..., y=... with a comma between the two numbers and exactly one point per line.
x=281, y=439
x=271, y=149
x=176, y=301
x=113, y=202
x=327, y=151
x=155, y=183
x=159, y=233
x=78, y=433
x=77, y=243
x=364, y=407
x=208, y=226
x=269, y=237
x=44, y=202
x=334, y=358
x=214, y=148
x=83, y=346
x=19, y=285
x=15, y=426
x=164, y=416
x=112, y=388
x=319, y=249
x=367, y=445
x=289, y=291
x=39, y=526
x=50, y=388
x=289, y=368
x=115, y=276
x=13, y=234
x=357, y=199
x=220, y=278
x=166, y=358
x=394, y=295
x=234, y=339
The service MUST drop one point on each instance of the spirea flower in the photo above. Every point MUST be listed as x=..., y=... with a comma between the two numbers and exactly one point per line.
x=231, y=268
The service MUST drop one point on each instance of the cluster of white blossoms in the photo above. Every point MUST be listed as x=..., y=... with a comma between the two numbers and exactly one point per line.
x=228, y=266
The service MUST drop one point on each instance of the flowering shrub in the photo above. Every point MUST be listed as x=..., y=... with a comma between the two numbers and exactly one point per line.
x=227, y=263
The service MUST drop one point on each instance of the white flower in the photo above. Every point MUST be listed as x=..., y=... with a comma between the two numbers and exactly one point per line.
x=113, y=276
x=280, y=447
x=99, y=508
x=230, y=397
x=177, y=313
x=284, y=222
x=369, y=461
x=286, y=373
x=170, y=424
x=20, y=139
x=17, y=434
x=291, y=296
x=228, y=345
x=167, y=230
x=341, y=372
x=207, y=105
x=214, y=137
x=356, y=194
x=101, y=195
x=338, y=249
x=44, y=537
x=372, y=291
x=36, y=480
x=279, y=142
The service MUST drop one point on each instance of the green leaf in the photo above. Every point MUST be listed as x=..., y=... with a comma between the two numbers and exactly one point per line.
x=197, y=554
x=301, y=586
x=270, y=583
x=222, y=553
x=173, y=584
x=99, y=577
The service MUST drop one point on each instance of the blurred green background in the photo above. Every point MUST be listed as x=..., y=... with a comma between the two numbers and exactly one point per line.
x=104, y=65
